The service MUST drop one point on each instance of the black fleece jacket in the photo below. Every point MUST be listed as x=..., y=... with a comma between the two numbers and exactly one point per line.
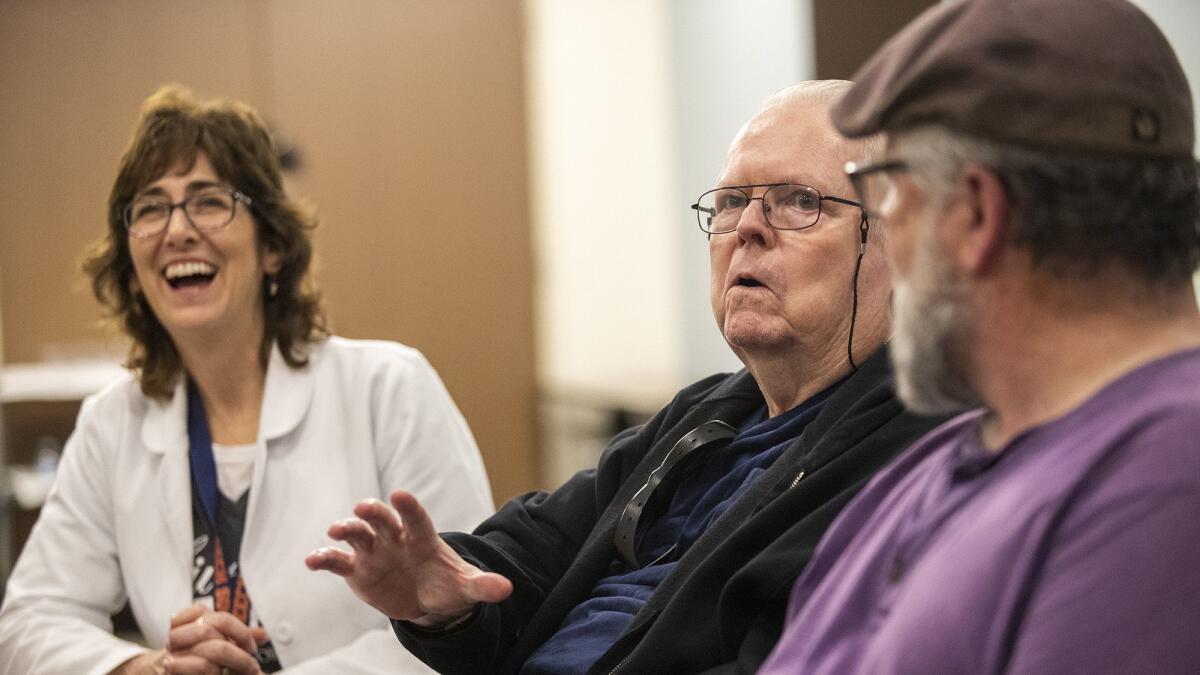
x=722, y=608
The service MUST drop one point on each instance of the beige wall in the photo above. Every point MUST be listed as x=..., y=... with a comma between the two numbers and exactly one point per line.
x=409, y=115
x=605, y=222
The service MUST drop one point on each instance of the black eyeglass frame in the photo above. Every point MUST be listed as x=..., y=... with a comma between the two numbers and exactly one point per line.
x=857, y=173
x=127, y=212
x=700, y=211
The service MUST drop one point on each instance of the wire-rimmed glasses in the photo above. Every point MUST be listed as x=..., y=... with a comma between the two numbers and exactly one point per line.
x=786, y=206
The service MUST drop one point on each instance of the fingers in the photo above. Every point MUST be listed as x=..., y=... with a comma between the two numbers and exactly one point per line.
x=182, y=638
x=188, y=614
x=416, y=520
x=212, y=626
x=381, y=518
x=209, y=657
x=330, y=559
x=355, y=532
x=233, y=629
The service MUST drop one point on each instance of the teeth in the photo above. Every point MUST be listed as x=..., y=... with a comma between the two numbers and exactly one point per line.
x=188, y=269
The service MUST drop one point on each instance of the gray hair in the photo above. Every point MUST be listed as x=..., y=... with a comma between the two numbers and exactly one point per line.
x=1077, y=214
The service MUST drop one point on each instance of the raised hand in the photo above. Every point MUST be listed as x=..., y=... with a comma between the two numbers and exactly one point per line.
x=401, y=567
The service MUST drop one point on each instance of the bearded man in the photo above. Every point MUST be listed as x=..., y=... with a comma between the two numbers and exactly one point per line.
x=1042, y=205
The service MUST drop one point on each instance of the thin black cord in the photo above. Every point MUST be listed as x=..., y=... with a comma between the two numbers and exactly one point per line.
x=862, y=249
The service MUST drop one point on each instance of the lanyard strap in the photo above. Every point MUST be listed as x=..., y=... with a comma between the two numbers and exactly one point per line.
x=200, y=453
x=228, y=589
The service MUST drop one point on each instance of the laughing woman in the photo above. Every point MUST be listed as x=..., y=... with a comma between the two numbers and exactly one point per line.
x=194, y=488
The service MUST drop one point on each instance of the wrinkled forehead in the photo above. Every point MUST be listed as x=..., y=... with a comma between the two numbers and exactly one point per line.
x=790, y=142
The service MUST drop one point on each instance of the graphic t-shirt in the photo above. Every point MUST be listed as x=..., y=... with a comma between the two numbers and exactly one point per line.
x=215, y=547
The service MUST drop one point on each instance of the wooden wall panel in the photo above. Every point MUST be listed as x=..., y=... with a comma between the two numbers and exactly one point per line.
x=410, y=119
x=72, y=75
x=411, y=116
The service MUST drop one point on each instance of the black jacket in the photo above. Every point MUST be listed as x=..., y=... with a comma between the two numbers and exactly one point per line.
x=722, y=608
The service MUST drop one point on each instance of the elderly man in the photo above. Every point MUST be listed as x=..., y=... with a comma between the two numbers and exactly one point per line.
x=677, y=552
x=1042, y=206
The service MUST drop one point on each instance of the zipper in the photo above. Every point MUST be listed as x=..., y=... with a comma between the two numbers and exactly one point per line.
x=796, y=480
x=619, y=664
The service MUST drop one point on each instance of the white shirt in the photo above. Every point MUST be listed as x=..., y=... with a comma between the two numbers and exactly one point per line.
x=362, y=419
x=235, y=468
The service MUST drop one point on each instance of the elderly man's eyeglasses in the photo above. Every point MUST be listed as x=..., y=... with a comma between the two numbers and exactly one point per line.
x=874, y=185
x=786, y=206
x=207, y=210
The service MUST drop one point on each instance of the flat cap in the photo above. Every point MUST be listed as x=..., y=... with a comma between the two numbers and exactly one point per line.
x=1091, y=76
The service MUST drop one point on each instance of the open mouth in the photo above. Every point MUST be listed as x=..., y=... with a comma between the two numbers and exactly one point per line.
x=190, y=274
x=749, y=282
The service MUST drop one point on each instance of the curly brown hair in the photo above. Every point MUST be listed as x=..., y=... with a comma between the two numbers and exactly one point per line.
x=174, y=127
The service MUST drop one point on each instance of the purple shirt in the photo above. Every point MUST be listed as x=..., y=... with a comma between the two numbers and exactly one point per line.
x=1075, y=549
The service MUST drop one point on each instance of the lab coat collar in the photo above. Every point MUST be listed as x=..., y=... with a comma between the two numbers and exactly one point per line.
x=286, y=398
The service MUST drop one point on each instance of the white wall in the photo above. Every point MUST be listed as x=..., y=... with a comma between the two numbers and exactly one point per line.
x=632, y=105
x=726, y=58
x=601, y=153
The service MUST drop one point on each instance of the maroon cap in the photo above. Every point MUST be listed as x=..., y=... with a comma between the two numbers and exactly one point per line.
x=1077, y=75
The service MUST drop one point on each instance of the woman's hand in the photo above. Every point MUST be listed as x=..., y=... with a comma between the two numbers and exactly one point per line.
x=401, y=567
x=204, y=642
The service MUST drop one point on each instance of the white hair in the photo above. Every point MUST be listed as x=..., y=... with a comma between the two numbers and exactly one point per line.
x=826, y=91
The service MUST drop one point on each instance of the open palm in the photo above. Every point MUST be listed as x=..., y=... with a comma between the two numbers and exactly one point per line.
x=400, y=566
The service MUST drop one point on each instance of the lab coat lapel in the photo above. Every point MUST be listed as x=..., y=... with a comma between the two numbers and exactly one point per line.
x=287, y=396
x=164, y=432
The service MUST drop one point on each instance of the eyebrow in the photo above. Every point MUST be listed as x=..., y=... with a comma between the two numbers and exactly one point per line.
x=192, y=188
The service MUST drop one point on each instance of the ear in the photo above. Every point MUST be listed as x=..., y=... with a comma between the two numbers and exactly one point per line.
x=272, y=261
x=134, y=286
x=981, y=243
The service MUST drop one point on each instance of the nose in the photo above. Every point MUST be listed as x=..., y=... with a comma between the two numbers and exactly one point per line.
x=179, y=229
x=753, y=225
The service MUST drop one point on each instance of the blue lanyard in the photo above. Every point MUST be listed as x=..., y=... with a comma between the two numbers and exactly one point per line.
x=229, y=590
x=200, y=453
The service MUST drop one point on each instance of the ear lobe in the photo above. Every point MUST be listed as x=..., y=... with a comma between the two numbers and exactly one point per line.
x=983, y=239
x=272, y=261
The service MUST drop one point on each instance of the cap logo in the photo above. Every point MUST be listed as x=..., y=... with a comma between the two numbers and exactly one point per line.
x=1145, y=125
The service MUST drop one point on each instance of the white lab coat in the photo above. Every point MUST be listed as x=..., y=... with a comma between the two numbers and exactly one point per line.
x=363, y=419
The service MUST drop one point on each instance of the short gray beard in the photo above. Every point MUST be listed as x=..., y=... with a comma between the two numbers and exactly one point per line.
x=932, y=327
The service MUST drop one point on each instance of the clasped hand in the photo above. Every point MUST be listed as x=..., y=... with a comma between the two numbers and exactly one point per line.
x=201, y=642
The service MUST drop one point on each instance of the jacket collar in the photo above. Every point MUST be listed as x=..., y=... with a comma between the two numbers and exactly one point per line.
x=287, y=395
x=741, y=385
